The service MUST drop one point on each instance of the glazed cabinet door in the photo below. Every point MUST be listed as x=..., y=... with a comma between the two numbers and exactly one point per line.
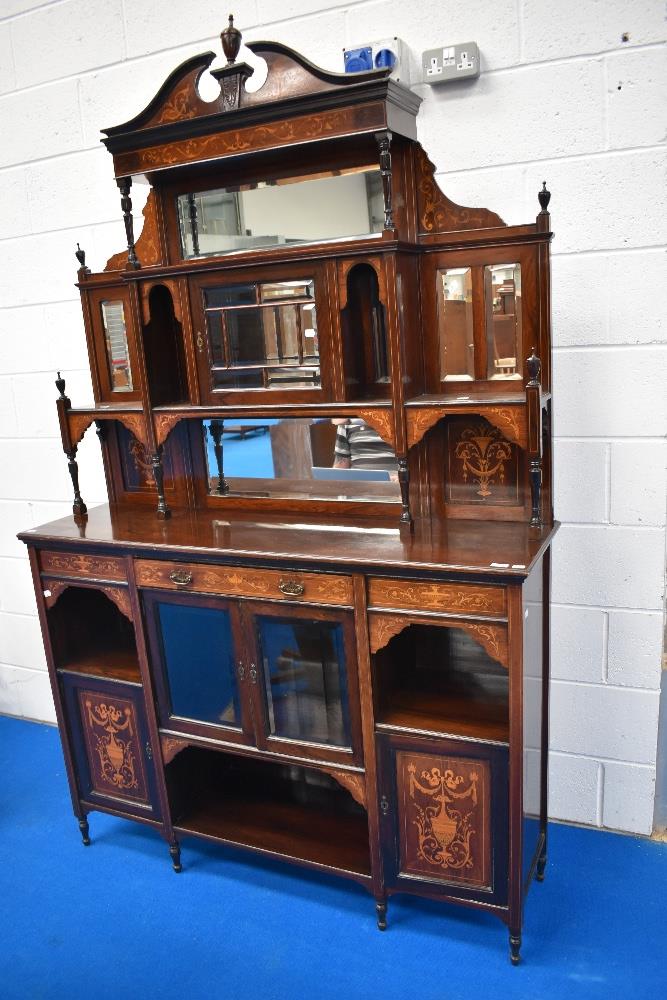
x=109, y=741
x=444, y=807
x=304, y=681
x=197, y=663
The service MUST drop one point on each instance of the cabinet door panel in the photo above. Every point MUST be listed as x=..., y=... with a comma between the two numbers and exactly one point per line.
x=109, y=738
x=197, y=670
x=305, y=681
x=447, y=819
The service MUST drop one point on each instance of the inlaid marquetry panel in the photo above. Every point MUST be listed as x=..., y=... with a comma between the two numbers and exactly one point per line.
x=237, y=581
x=445, y=598
x=444, y=819
x=113, y=745
x=482, y=466
x=79, y=565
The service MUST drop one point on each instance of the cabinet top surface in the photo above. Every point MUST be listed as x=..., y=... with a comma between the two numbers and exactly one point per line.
x=488, y=548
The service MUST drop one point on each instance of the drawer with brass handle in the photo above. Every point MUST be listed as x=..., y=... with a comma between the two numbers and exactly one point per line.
x=242, y=581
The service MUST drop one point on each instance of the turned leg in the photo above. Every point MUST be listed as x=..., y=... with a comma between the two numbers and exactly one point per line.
x=83, y=826
x=515, y=946
x=78, y=507
x=541, y=865
x=381, y=911
x=175, y=851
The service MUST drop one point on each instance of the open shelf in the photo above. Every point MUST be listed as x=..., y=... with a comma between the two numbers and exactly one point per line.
x=91, y=636
x=298, y=814
x=438, y=680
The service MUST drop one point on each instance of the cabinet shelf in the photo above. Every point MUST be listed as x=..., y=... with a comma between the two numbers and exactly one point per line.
x=297, y=814
x=447, y=716
x=91, y=636
x=115, y=664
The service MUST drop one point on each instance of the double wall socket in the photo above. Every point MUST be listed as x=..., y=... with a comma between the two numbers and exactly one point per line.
x=451, y=62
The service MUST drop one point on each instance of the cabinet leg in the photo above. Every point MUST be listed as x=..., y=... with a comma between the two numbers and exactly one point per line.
x=541, y=865
x=85, y=831
x=381, y=911
x=515, y=946
x=175, y=851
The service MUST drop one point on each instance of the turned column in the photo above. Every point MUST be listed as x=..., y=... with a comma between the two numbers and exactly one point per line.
x=124, y=185
x=63, y=404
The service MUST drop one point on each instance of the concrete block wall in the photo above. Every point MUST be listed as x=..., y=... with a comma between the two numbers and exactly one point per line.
x=572, y=92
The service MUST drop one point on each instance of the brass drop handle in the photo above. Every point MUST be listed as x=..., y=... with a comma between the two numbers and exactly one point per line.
x=241, y=671
x=384, y=805
x=291, y=588
x=149, y=750
x=253, y=673
x=181, y=577
x=200, y=342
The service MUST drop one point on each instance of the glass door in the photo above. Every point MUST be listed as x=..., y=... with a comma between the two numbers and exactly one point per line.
x=303, y=681
x=195, y=646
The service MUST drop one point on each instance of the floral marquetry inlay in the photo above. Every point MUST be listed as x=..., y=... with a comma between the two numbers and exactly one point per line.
x=437, y=214
x=493, y=638
x=112, y=741
x=444, y=818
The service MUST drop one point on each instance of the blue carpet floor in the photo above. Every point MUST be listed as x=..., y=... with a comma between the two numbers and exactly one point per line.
x=113, y=920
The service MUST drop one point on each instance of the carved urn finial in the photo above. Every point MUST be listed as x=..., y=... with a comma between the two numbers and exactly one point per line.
x=544, y=197
x=231, y=41
x=80, y=255
x=60, y=386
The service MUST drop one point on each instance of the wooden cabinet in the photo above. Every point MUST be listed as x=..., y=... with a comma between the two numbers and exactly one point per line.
x=313, y=620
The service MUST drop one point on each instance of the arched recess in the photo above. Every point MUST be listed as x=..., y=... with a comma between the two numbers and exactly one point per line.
x=78, y=424
x=492, y=637
x=91, y=629
x=162, y=339
x=53, y=589
x=364, y=335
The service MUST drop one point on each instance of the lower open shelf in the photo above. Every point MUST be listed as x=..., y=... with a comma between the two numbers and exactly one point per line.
x=298, y=814
x=119, y=664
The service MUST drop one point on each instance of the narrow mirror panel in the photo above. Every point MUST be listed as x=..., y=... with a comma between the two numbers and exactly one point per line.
x=502, y=295
x=308, y=457
x=457, y=351
x=287, y=210
x=115, y=334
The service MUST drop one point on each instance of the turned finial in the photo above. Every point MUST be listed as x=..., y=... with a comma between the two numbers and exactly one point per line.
x=534, y=366
x=544, y=197
x=80, y=255
x=60, y=386
x=231, y=41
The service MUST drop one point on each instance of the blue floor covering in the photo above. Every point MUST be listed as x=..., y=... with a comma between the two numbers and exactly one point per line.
x=114, y=921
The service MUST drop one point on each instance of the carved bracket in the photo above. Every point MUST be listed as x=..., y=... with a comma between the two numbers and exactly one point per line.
x=383, y=627
x=147, y=247
x=355, y=784
x=53, y=589
x=164, y=425
x=79, y=423
x=437, y=214
x=382, y=422
x=171, y=747
x=509, y=420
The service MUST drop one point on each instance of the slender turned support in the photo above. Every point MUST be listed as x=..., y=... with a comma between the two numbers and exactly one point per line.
x=381, y=911
x=175, y=852
x=534, y=416
x=124, y=185
x=404, y=483
x=163, y=511
x=215, y=430
x=78, y=507
x=384, y=145
x=194, y=225
x=101, y=430
x=515, y=947
x=541, y=865
x=85, y=832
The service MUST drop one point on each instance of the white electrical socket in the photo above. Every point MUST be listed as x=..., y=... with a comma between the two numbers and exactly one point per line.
x=451, y=62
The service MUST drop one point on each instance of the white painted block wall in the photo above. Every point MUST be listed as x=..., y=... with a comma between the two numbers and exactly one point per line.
x=561, y=97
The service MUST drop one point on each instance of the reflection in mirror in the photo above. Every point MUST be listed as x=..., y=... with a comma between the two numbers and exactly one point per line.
x=263, y=335
x=330, y=205
x=299, y=458
x=502, y=295
x=457, y=351
x=115, y=335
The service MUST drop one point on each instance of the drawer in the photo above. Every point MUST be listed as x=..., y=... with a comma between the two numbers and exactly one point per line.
x=445, y=598
x=79, y=565
x=239, y=581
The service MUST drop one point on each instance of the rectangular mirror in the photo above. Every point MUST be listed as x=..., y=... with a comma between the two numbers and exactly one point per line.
x=502, y=295
x=328, y=206
x=263, y=335
x=115, y=336
x=457, y=349
x=299, y=458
